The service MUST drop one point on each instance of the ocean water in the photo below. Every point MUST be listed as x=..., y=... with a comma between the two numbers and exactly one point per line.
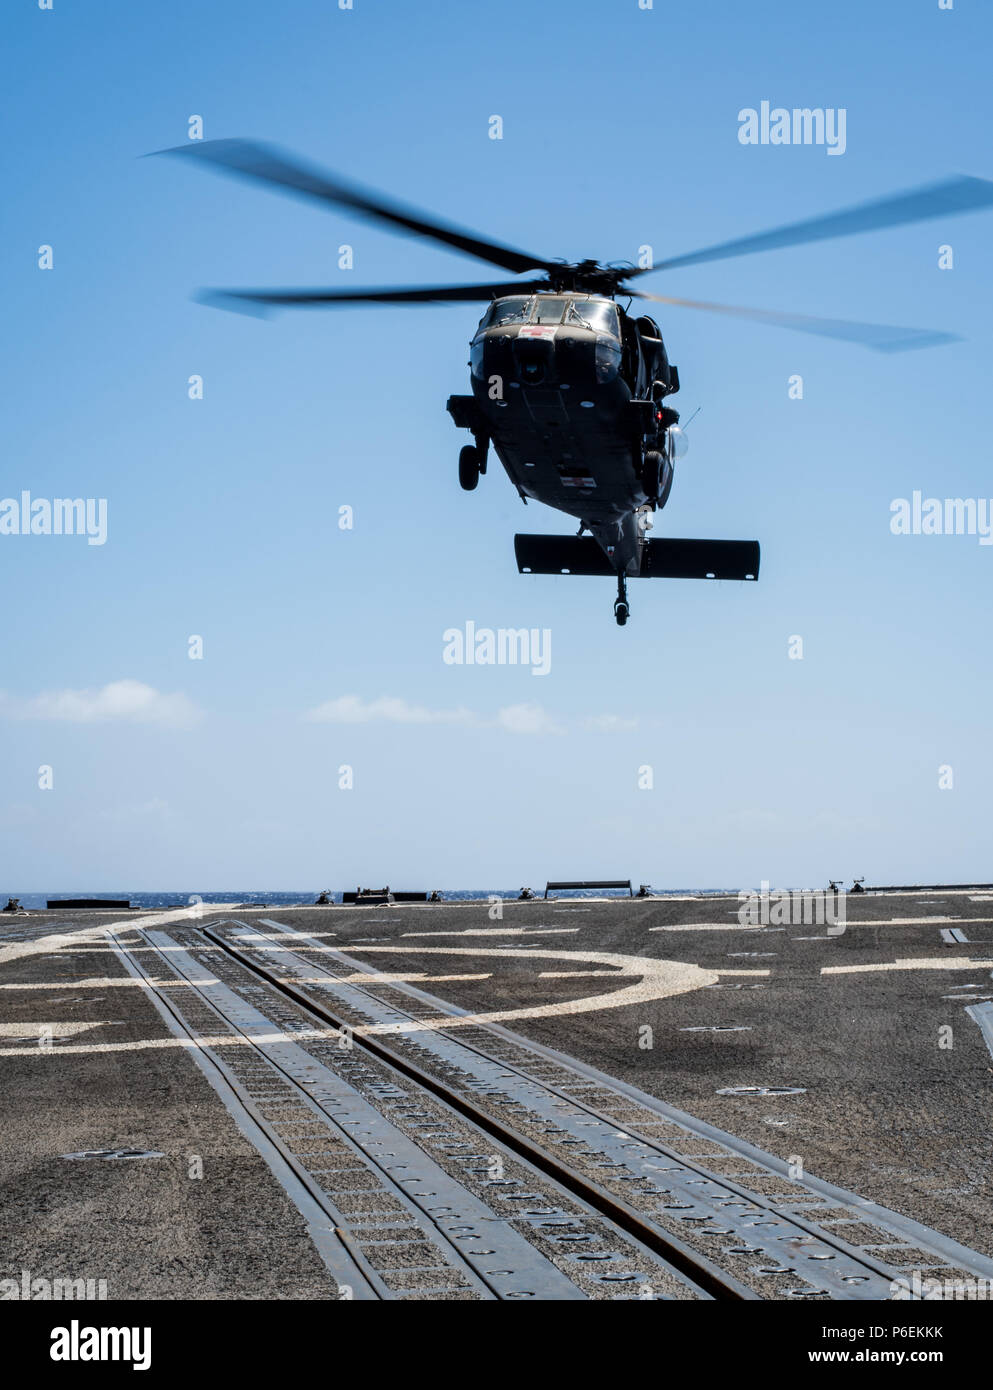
x=306, y=896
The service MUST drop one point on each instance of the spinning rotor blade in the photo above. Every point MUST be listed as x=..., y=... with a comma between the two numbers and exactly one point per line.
x=261, y=162
x=288, y=299
x=879, y=337
x=944, y=199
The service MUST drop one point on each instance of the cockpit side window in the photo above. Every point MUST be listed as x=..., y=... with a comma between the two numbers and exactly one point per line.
x=505, y=311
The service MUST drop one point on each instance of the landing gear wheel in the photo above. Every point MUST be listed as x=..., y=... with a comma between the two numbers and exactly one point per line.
x=621, y=609
x=470, y=467
x=666, y=485
x=651, y=473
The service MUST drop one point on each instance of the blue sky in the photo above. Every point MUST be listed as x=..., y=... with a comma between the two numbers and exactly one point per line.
x=620, y=129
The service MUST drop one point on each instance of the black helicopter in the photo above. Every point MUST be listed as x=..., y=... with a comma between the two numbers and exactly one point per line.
x=569, y=388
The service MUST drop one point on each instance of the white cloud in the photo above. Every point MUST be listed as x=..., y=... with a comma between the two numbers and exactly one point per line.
x=527, y=719
x=153, y=810
x=351, y=709
x=609, y=723
x=125, y=701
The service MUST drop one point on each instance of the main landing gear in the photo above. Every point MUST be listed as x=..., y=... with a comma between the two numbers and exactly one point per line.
x=621, y=609
x=651, y=474
x=472, y=463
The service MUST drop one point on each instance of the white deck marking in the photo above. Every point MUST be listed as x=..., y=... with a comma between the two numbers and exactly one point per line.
x=921, y=963
x=331, y=1035
x=714, y=926
x=655, y=979
x=54, y=1030
x=74, y=984
x=576, y=974
x=45, y=945
x=640, y=980
x=397, y=977
x=498, y=931
x=913, y=921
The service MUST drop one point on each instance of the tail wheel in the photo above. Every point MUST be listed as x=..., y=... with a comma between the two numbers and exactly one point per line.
x=469, y=467
x=621, y=609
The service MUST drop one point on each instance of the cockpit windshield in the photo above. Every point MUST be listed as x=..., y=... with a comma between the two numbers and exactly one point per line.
x=597, y=314
x=506, y=311
x=600, y=315
x=548, y=310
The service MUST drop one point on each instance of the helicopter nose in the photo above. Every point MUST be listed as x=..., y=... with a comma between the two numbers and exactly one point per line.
x=534, y=360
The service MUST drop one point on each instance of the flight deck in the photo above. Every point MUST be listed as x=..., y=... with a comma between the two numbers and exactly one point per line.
x=564, y=1100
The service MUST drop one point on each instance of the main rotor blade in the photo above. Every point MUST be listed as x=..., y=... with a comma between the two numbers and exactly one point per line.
x=879, y=337
x=439, y=294
x=252, y=160
x=945, y=199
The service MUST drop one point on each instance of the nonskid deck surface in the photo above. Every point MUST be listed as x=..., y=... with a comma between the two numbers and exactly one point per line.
x=425, y=1204
x=424, y=1148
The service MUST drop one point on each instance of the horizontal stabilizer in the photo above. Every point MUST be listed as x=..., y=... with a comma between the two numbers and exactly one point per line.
x=560, y=555
x=680, y=559
x=661, y=559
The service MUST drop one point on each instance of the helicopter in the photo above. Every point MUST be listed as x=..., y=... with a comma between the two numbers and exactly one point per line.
x=569, y=389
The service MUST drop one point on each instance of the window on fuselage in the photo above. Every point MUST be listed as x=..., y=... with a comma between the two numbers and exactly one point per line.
x=506, y=311
x=548, y=310
x=598, y=314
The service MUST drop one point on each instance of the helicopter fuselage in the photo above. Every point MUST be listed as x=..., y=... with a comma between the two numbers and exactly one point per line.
x=568, y=390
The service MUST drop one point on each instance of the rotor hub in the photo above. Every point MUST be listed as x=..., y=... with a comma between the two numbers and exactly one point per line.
x=589, y=277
